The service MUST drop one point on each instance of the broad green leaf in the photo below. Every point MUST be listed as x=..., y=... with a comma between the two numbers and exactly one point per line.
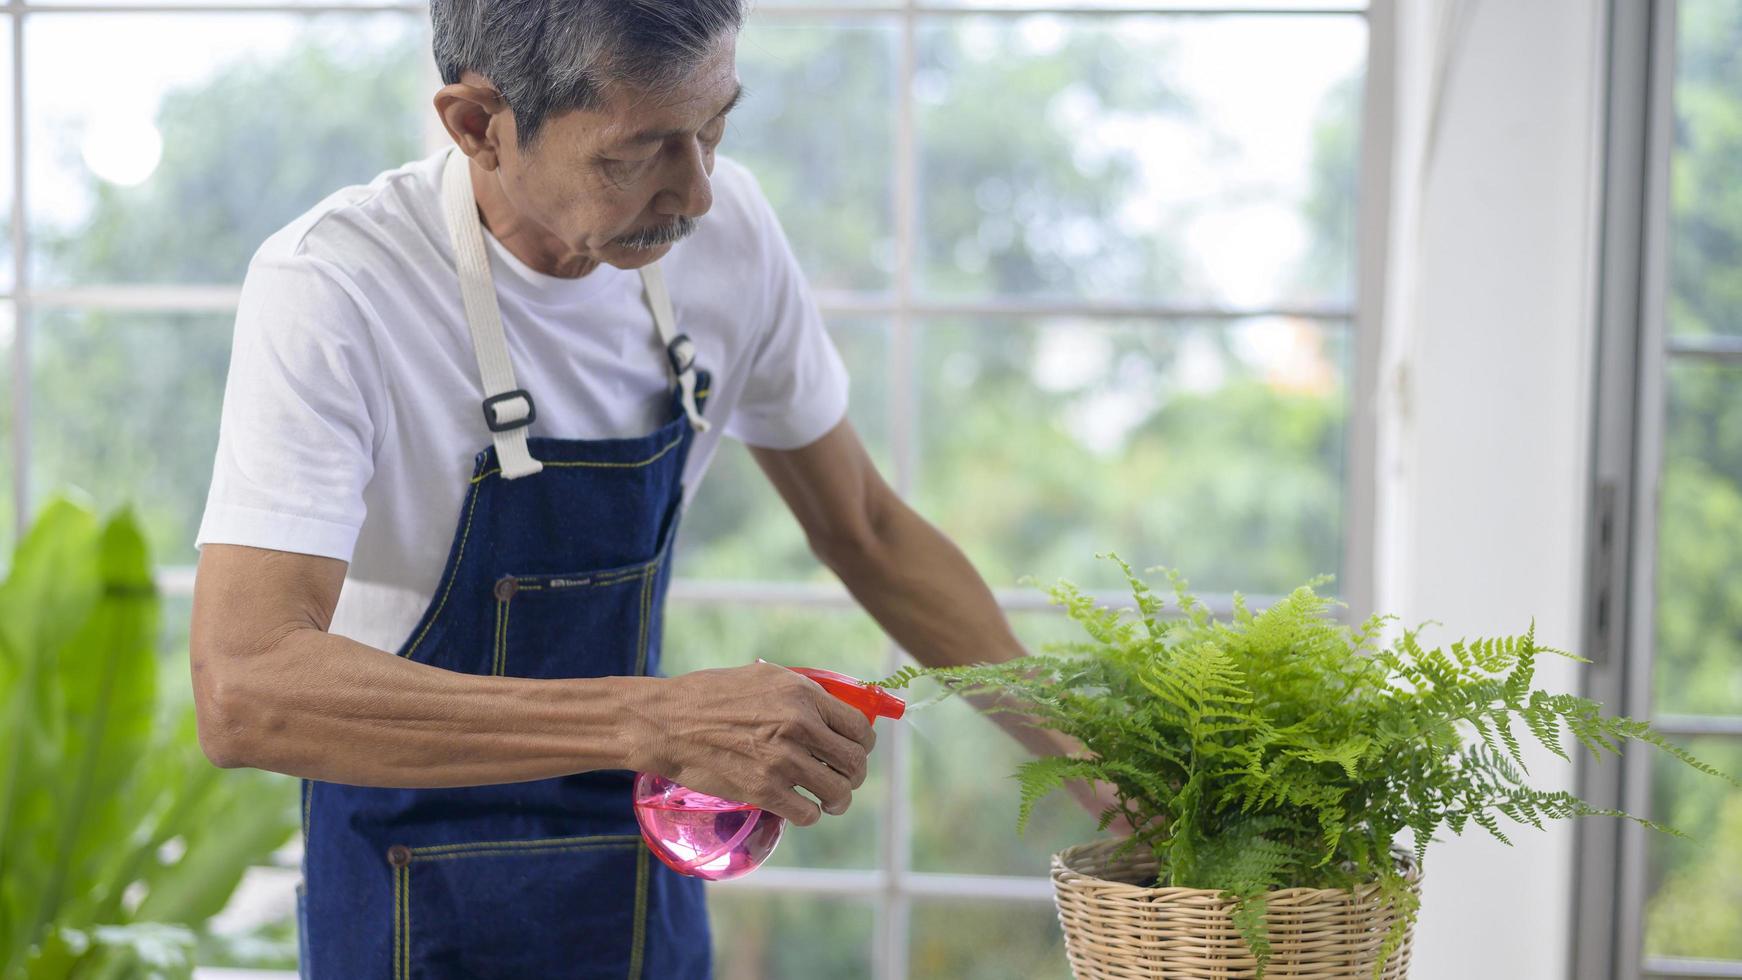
x=105, y=784
x=108, y=675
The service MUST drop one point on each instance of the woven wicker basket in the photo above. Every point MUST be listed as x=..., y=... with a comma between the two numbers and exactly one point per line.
x=1117, y=928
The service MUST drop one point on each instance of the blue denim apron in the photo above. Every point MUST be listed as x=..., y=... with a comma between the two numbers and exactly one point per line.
x=559, y=568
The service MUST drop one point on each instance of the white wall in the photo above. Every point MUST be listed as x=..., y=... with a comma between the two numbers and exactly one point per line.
x=1488, y=414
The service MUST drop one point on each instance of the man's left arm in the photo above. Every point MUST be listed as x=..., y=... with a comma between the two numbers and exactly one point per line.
x=906, y=573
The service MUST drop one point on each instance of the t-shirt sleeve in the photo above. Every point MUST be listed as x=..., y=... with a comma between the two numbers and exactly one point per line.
x=297, y=437
x=795, y=387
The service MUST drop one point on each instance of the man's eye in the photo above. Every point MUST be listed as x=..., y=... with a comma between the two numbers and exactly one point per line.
x=623, y=168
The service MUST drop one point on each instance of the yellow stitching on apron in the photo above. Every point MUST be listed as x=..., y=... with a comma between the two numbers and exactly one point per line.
x=636, y=947
x=502, y=661
x=459, y=555
x=592, y=464
x=646, y=601
x=401, y=942
x=496, y=640
x=520, y=852
x=426, y=851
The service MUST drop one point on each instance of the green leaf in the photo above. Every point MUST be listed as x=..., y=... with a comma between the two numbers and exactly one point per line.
x=103, y=775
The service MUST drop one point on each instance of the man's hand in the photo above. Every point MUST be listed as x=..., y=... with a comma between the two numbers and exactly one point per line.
x=755, y=734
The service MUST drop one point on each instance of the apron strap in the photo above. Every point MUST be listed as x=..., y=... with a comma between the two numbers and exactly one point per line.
x=680, y=351
x=508, y=408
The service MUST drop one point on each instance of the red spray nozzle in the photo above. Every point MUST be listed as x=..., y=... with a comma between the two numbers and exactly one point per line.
x=872, y=701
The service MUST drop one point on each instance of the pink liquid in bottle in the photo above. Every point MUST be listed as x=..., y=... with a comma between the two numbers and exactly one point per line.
x=707, y=837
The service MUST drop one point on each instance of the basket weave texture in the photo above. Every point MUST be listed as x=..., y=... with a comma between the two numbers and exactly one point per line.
x=1117, y=928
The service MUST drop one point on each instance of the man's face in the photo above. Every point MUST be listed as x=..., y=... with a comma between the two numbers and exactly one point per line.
x=621, y=183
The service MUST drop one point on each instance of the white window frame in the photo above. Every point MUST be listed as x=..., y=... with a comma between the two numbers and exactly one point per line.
x=894, y=885
x=1635, y=351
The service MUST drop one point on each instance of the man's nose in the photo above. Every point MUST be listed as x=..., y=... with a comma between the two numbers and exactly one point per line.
x=689, y=192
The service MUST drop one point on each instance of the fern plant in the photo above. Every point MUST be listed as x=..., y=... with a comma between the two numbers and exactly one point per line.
x=1285, y=749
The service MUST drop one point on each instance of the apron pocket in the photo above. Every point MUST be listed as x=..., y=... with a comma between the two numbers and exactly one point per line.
x=578, y=624
x=563, y=906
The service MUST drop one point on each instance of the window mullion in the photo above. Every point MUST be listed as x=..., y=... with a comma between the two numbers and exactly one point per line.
x=20, y=292
x=889, y=958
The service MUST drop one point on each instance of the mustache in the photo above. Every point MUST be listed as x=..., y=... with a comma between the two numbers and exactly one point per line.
x=655, y=237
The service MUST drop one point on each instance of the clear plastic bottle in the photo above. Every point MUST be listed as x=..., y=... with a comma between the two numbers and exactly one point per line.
x=707, y=837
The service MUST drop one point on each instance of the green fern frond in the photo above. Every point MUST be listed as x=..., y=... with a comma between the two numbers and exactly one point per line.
x=1039, y=777
x=1281, y=747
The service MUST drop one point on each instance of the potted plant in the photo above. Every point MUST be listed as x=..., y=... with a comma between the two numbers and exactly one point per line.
x=1283, y=774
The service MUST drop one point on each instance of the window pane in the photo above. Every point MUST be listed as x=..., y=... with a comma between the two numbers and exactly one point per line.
x=8, y=513
x=289, y=3
x=700, y=636
x=738, y=527
x=983, y=940
x=1166, y=4
x=762, y=936
x=172, y=632
x=1696, y=885
x=964, y=789
x=125, y=407
x=1699, y=576
x=816, y=127
x=257, y=928
x=7, y=152
x=228, y=127
x=1216, y=449
x=1705, y=196
x=1191, y=160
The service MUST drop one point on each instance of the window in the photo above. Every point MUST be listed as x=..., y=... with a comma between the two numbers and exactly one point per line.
x=1668, y=612
x=1093, y=268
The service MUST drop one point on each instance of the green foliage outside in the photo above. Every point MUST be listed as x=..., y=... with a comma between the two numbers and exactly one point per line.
x=108, y=867
x=1696, y=886
x=1283, y=749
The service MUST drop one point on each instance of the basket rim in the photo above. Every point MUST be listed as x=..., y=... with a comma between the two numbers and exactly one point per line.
x=1063, y=875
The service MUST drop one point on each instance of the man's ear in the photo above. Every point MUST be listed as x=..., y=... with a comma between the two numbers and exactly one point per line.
x=467, y=109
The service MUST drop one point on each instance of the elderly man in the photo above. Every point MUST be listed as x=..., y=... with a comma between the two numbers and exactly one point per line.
x=579, y=286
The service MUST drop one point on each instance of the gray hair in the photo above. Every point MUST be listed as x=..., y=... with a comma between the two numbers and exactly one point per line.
x=549, y=56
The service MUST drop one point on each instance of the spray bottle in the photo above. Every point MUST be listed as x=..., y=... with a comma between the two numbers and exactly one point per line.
x=707, y=837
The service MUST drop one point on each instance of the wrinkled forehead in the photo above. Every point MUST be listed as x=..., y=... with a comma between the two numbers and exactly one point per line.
x=638, y=115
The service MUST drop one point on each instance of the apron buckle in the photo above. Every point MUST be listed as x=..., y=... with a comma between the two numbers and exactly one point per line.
x=501, y=415
x=682, y=354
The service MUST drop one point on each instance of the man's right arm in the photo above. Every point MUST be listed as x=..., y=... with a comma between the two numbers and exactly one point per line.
x=275, y=690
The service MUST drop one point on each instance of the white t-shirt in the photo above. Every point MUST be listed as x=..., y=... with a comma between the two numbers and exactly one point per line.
x=352, y=408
